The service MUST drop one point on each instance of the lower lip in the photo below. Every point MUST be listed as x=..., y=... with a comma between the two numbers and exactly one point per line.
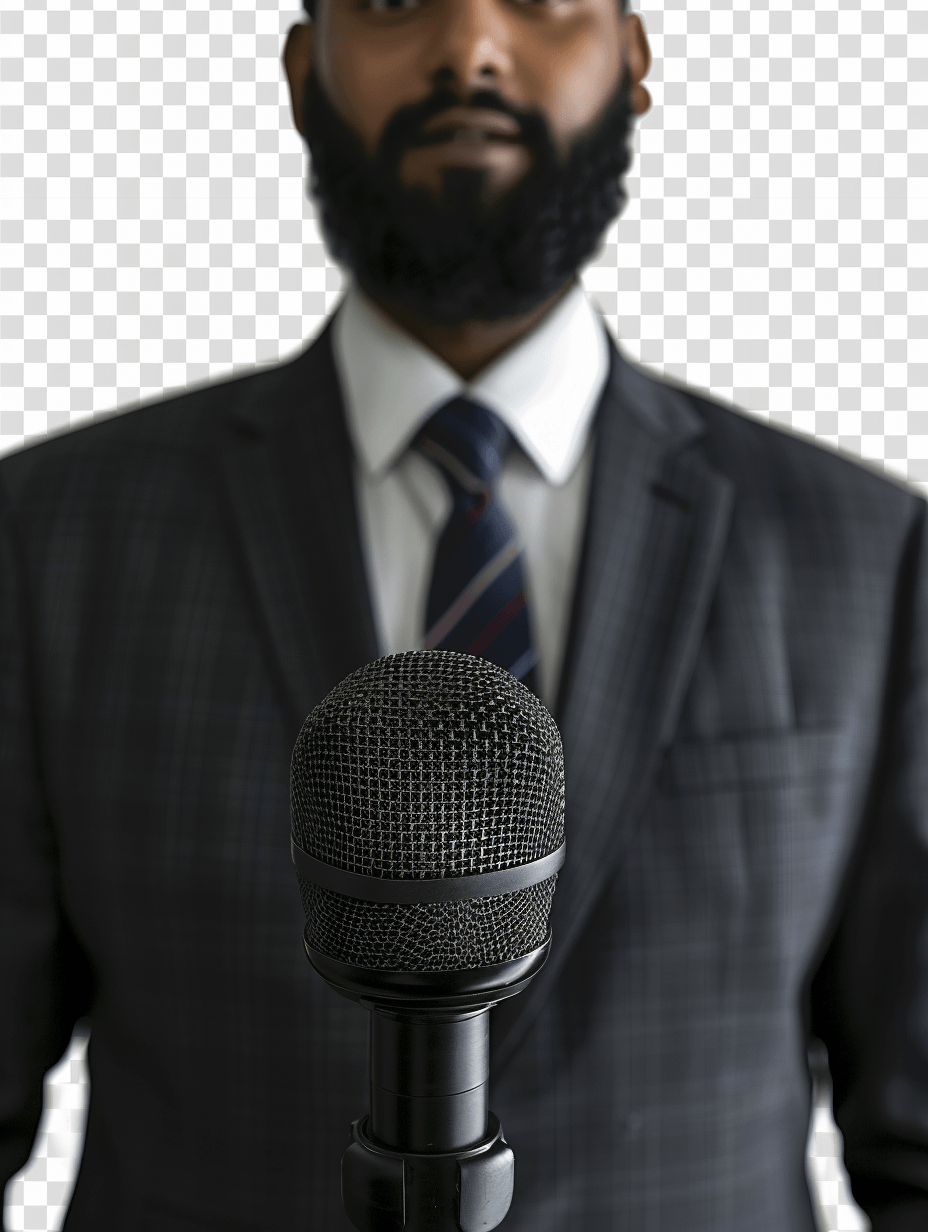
x=504, y=162
x=471, y=151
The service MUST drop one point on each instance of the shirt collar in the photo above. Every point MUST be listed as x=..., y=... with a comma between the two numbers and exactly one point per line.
x=545, y=388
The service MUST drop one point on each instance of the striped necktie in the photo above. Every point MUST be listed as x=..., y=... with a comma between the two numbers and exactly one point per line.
x=476, y=600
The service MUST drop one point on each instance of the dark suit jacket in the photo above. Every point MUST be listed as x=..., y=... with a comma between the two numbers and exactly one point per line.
x=745, y=716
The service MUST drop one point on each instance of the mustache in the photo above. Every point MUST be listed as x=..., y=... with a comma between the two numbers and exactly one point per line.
x=405, y=128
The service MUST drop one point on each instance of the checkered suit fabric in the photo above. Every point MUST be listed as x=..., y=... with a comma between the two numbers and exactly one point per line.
x=744, y=716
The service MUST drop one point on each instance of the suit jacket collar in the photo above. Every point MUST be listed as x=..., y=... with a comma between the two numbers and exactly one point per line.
x=286, y=469
x=656, y=528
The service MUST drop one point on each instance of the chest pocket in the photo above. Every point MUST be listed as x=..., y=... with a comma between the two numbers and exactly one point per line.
x=752, y=835
x=809, y=760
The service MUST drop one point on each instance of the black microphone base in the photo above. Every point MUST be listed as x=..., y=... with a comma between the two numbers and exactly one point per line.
x=385, y=1190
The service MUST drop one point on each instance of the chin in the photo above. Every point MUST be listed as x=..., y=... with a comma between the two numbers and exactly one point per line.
x=462, y=191
x=487, y=176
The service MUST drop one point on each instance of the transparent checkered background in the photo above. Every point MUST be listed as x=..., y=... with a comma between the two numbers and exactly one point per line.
x=154, y=233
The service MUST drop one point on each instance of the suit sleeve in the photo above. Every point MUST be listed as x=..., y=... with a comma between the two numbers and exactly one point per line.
x=870, y=996
x=43, y=977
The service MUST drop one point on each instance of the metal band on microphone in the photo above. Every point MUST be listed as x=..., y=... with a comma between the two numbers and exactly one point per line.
x=426, y=890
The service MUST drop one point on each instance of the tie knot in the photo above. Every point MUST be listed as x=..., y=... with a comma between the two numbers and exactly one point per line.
x=467, y=441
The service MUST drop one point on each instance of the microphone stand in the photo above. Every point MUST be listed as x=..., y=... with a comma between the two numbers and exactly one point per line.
x=430, y=1157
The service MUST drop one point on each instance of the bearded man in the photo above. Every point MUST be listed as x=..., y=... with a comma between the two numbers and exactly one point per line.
x=728, y=623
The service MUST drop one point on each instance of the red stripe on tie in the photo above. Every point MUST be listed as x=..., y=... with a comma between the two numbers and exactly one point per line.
x=497, y=624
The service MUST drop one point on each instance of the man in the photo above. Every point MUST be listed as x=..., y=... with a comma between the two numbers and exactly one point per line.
x=729, y=624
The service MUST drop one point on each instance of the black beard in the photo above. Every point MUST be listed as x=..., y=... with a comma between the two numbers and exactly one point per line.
x=455, y=257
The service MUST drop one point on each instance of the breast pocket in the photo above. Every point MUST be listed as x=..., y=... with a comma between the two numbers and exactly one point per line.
x=772, y=761
x=756, y=830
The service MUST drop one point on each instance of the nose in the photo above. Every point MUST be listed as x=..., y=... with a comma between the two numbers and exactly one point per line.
x=472, y=48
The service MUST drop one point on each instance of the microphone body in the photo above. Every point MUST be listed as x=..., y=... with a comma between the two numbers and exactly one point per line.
x=430, y=1073
x=427, y=802
x=428, y=1145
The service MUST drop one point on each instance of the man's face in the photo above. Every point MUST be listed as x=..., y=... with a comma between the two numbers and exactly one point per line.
x=561, y=58
x=473, y=145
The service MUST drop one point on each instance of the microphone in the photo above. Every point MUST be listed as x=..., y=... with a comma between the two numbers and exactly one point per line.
x=427, y=806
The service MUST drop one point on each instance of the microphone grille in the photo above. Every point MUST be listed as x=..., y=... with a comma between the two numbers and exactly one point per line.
x=423, y=765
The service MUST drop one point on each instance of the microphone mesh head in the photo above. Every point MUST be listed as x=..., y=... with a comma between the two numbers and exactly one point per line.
x=421, y=765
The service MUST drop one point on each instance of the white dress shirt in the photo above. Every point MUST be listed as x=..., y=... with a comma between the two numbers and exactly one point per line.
x=545, y=389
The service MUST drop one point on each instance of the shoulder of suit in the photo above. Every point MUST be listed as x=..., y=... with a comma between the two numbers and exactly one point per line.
x=763, y=458
x=192, y=423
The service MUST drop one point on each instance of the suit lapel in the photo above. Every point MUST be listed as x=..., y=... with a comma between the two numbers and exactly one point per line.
x=286, y=469
x=656, y=528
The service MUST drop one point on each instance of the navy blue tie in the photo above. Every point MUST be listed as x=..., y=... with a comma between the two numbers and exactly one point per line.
x=476, y=599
